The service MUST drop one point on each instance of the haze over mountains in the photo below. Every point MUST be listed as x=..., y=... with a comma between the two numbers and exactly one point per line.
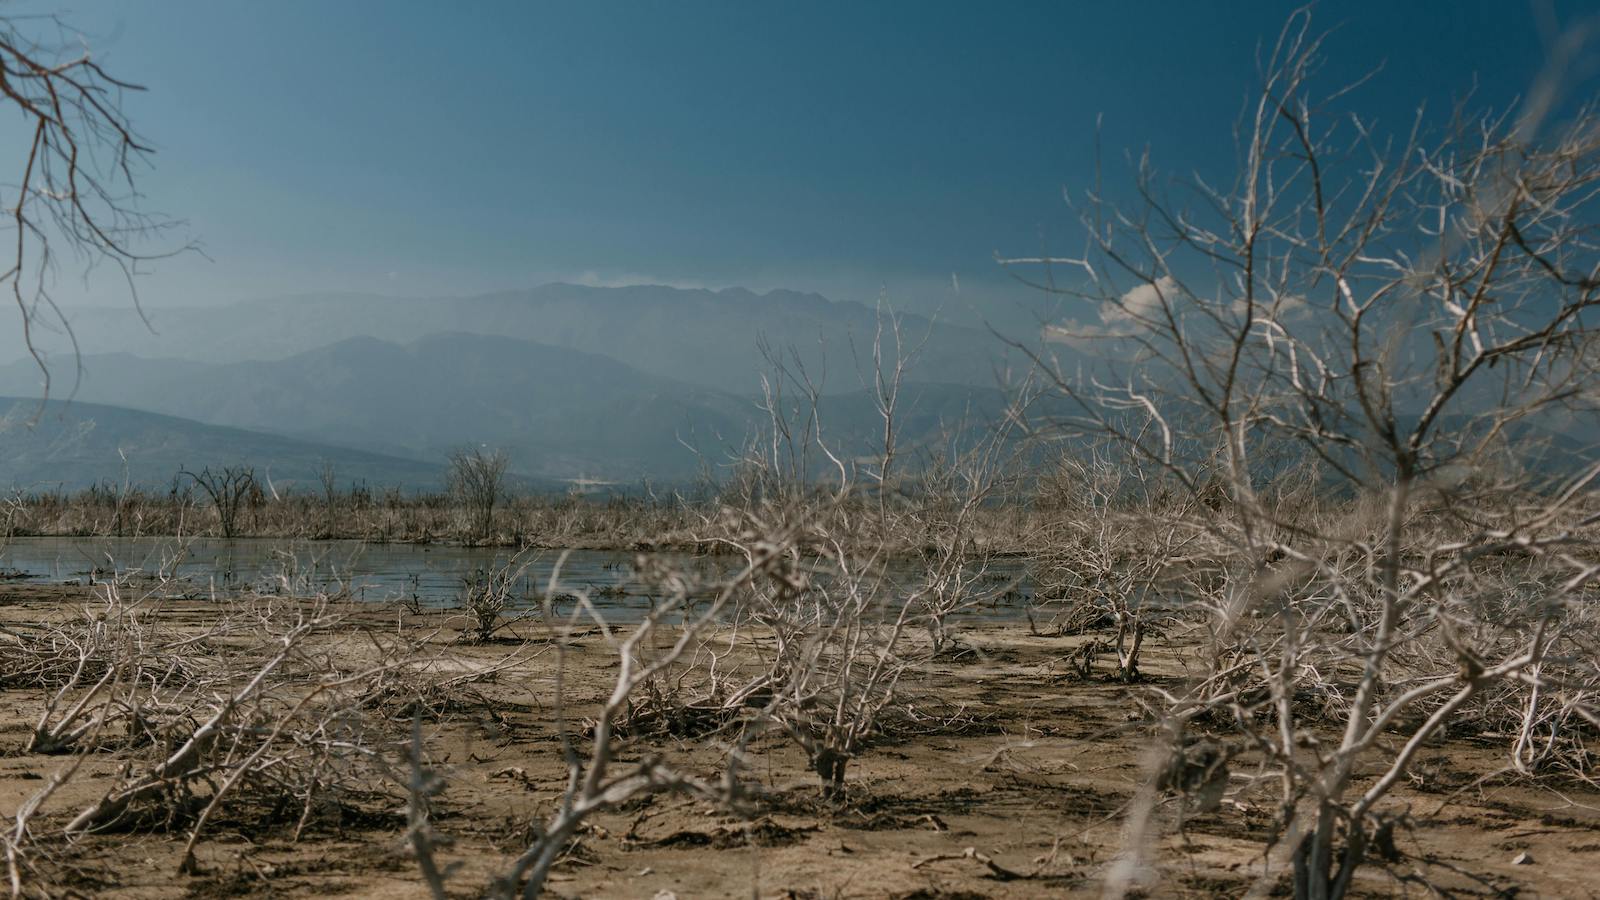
x=573, y=382
x=701, y=337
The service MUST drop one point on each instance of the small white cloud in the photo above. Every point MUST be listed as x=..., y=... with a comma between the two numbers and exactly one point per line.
x=1120, y=318
x=1288, y=306
x=1077, y=334
x=1141, y=303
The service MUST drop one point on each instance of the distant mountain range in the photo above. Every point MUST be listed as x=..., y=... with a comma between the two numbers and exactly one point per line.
x=74, y=445
x=701, y=337
x=609, y=384
x=559, y=413
x=574, y=383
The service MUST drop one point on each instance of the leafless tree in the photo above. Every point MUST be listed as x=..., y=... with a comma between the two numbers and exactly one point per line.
x=11, y=507
x=476, y=475
x=1403, y=317
x=892, y=357
x=328, y=480
x=228, y=489
x=80, y=160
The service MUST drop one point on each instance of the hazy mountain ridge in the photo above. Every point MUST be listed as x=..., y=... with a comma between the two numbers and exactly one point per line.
x=703, y=337
x=559, y=413
x=73, y=445
x=572, y=381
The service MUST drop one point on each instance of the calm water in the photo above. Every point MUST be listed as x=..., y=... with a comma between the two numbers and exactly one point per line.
x=432, y=575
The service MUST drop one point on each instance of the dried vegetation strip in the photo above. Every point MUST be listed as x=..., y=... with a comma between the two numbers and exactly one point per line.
x=266, y=746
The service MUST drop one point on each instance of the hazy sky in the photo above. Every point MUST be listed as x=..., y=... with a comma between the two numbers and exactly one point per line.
x=433, y=148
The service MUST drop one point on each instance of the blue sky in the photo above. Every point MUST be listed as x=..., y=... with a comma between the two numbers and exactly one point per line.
x=436, y=149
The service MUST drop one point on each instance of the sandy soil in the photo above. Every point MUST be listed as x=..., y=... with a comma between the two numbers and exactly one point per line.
x=1035, y=779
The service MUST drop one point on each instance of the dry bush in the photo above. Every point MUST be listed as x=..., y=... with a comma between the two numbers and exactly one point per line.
x=676, y=626
x=254, y=713
x=838, y=662
x=1115, y=552
x=957, y=493
x=488, y=592
x=817, y=648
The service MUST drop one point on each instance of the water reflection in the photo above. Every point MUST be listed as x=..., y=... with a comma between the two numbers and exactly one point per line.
x=430, y=575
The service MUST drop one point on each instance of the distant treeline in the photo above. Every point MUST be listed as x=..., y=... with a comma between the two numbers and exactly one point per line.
x=232, y=504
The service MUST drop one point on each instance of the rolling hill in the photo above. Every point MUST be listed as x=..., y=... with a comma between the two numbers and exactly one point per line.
x=73, y=445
